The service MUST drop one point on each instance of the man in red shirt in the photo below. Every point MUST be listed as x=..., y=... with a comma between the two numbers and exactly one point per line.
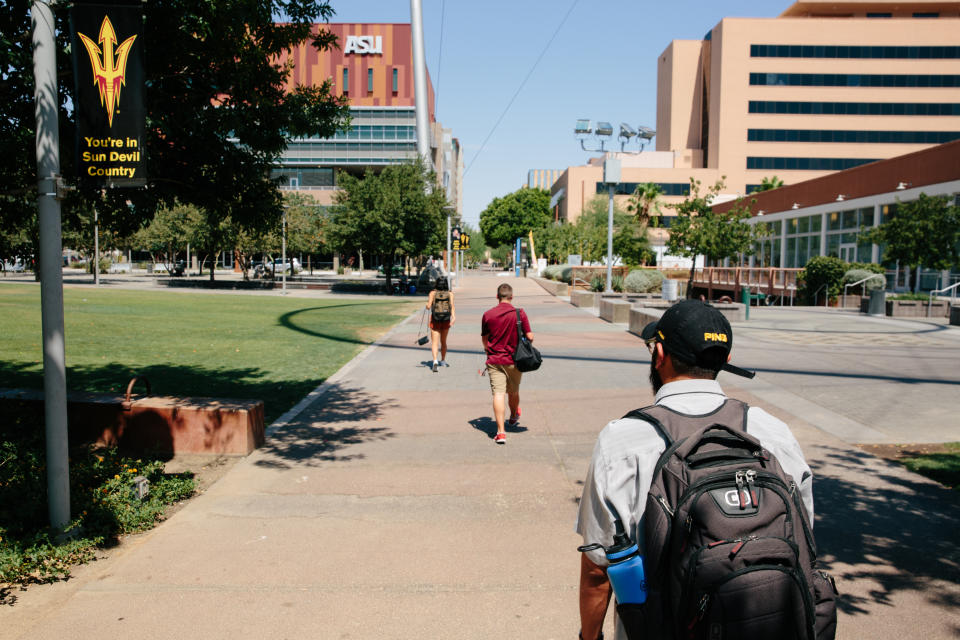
x=498, y=330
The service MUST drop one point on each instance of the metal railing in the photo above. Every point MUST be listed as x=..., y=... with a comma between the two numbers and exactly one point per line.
x=952, y=288
x=876, y=275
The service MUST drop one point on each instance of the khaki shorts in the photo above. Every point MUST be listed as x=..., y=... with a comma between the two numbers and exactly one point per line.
x=504, y=378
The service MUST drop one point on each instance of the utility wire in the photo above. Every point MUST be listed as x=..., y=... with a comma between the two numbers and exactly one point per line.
x=522, y=84
x=436, y=97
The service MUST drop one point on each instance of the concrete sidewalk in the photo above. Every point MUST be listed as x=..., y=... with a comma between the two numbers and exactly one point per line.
x=384, y=509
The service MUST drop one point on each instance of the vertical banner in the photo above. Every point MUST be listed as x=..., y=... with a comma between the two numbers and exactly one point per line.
x=107, y=44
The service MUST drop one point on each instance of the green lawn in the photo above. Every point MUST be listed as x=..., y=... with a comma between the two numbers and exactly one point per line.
x=193, y=344
x=943, y=466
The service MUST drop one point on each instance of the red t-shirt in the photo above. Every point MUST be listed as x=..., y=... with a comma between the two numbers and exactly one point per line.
x=499, y=324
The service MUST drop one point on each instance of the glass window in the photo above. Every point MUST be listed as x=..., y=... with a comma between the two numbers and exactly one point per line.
x=369, y=80
x=396, y=82
x=815, y=222
x=803, y=224
x=850, y=219
x=791, y=253
x=814, y=246
x=346, y=81
x=833, y=221
x=833, y=245
x=802, y=248
x=792, y=226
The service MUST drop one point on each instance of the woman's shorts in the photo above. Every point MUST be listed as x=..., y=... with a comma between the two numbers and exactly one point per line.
x=438, y=325
x=504, y=378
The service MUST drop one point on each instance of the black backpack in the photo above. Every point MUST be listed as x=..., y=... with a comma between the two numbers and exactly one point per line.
x=440, y=311
x=729, y=552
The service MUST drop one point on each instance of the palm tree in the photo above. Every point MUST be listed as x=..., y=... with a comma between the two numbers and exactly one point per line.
x=645, y=203
x=767, y=184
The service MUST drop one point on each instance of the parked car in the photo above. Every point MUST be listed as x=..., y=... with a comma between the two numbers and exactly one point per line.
x=17, y=266
x=279, y=266
x=395, y=271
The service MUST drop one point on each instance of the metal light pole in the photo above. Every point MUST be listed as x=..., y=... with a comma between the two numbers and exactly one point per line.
x=283, y=260
x=96, y=247
x=51, y=254
x=611, y=169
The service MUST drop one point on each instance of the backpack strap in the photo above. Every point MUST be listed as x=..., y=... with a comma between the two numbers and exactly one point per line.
x=674, y=427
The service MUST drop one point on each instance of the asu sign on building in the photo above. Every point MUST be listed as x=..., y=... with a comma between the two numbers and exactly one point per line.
x=108, y=67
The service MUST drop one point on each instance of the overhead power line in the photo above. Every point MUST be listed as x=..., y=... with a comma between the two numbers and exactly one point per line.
x=522, y=84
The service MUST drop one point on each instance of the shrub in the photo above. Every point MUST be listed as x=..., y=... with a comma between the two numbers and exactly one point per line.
x=923, y=297
x=566, y=274
x=101, y=499
x=553, y=271
x=820, y=271
x=597, y=283
x=643, y=281
x=616, y=283
x=856, y=275
x=872, y=267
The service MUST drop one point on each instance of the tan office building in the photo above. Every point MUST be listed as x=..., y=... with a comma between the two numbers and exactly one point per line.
x=823, y=87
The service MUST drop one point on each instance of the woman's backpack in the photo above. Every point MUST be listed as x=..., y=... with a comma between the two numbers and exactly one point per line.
x=440, y=311
x=729, y=551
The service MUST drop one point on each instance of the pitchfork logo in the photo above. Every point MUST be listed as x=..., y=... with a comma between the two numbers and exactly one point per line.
x=109, y=67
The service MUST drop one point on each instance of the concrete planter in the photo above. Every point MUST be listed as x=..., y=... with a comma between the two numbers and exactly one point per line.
x=584, y=298
x=955, y=316
x=916, y=309
x=641, y=317
x=552, y=286
x=851, y=302
x=614, y=310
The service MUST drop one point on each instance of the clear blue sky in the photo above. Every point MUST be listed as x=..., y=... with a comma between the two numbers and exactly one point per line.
x=602, y=65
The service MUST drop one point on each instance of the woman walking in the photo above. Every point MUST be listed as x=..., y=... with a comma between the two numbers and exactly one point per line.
x=442, y=317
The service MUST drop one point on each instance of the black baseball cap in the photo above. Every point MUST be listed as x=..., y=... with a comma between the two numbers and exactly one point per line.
x=696, y=333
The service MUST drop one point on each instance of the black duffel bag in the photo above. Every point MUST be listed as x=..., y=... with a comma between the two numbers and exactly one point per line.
x=526, y=357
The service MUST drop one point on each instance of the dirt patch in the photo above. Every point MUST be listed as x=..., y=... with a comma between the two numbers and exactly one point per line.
x=900, y=451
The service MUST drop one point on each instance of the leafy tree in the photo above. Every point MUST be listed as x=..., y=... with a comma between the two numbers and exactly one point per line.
x=514, y=215
x=168, y=233
x=645, y=203
x=219, y=112
x=769, y=183
x=392, y=213
x=925, y=231
x=478, y=248
x=698, y=231
x=821, y=273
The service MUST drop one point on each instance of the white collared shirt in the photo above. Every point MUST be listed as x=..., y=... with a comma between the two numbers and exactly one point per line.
x=627, y=451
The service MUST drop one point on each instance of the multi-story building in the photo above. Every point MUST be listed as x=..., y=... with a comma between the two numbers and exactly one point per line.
x=823, y=87
x=373, y=68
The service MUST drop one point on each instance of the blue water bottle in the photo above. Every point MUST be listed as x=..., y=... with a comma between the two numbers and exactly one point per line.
x=626, y=568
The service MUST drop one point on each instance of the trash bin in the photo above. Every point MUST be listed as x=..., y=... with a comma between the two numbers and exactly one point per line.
x=878, y=306
x=669, y=290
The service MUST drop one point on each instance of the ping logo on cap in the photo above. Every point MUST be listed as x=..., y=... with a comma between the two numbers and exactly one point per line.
x=714, y=337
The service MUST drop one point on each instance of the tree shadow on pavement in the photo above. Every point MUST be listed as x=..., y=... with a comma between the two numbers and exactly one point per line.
x=342, y=417
x=888, y=528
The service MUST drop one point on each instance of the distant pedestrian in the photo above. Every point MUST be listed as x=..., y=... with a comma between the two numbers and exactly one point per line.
x=442, y=316
x=498, y=330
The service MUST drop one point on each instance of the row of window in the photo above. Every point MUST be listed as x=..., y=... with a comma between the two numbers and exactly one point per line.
x=813, y=135
x=346, y=81
x=335, y=147
x=856, y=108
x=304, y=176
x=357, y=115
x=853, y=80
x=852, y=51
x=666, y=188
x=806, y=164
x=376, y=132
x=351, y=161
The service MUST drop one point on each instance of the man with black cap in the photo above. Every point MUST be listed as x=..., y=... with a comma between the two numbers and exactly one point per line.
x=688, y=346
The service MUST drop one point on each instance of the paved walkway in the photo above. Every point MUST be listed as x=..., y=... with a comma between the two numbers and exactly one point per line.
x=384, y=510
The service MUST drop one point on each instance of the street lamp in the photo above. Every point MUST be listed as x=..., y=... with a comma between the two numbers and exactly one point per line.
x=611, y=168
x=283, y=251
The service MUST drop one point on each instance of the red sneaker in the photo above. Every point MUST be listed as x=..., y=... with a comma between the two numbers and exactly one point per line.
x=514, y=419
x=500, y=438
